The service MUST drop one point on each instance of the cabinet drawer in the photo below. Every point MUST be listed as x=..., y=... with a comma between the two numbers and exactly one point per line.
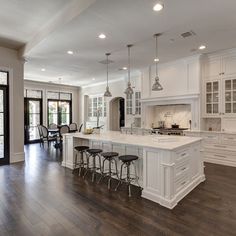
x=181, y=156
x=222, y=156
x=181, y=182
x=182, y=168
x=211, y=138
x=228, y=139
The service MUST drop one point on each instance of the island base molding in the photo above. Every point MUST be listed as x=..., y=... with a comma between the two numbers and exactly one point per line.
x=174, y=201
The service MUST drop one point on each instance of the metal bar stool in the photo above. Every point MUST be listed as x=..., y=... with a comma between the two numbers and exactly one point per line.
x=81, y=164
x=127, y=160
x=93, y=153
x=110, y=157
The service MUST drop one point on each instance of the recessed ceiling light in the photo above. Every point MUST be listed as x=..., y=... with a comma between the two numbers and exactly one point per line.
x=124, y=68
x=43, y=69
x=70, y=52
x=158, y=7
x=102, y=36
x=156, y=59
x=93, y=78
x=202, y=47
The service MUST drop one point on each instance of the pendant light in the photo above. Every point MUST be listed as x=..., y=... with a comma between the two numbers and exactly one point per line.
x=156, y=86
x=107, y=92
x=129, y=90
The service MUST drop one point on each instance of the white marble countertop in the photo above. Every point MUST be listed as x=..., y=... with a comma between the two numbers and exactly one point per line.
x=152, y=141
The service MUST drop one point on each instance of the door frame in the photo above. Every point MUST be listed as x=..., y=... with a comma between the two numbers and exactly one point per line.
x=6, y=107
x=26, y=118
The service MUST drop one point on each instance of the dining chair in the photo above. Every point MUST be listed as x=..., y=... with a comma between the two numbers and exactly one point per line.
x=73, y=127
x=46, y=137
x=52, y=126
x=64, y=129
x=80, y=128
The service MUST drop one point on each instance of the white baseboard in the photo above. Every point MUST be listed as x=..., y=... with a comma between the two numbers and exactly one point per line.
x=68, y=165
x=17, y=157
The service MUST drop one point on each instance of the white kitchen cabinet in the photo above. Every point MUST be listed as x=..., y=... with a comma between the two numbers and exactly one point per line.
x=212, y=97
x=217, y=147
x=133, y=104
x=229, y=96
x=229, y=64
x=219, y=80
x=212, y=67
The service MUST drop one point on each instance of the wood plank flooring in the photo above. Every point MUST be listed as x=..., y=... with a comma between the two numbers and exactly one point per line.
x=42, y=198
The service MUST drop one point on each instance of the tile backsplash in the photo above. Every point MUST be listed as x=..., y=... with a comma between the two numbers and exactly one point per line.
x=171, y=114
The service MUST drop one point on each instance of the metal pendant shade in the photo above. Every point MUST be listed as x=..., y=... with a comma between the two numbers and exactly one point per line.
x=129, y=90
x=107, y=92
x=157, y=86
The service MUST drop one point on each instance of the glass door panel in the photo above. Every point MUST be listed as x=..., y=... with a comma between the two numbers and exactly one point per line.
x=4, y=129
x=52, y=112
x=33, y=118
x=212, y=97
x=230, y=96
x=64, y=113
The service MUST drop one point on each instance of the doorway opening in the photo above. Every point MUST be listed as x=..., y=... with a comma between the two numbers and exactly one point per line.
x=117, y=113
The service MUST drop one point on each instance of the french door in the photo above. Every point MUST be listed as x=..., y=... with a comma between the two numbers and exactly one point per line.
x=4, y=120
x=33, y=118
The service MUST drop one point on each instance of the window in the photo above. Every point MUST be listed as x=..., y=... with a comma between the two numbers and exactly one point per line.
x=59, y=108
x=129, y=104
x=95, y=104
x=31, y=93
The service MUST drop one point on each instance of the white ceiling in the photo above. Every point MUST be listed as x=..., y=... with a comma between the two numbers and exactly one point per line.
x=124, y=22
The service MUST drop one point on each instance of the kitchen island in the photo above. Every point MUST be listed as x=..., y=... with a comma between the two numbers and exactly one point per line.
x=169, y=167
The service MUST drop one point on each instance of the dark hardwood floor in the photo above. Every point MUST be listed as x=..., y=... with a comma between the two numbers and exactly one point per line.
x=42, y=198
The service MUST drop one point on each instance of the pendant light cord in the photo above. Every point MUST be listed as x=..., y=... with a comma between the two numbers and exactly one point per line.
x=129, y=46
x=107, y=70
x=156, y=55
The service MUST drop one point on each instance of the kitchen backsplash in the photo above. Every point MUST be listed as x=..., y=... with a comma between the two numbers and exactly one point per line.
x=171, y=114
x=212, y=124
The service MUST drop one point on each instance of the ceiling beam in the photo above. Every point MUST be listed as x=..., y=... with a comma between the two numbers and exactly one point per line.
x=72, y=10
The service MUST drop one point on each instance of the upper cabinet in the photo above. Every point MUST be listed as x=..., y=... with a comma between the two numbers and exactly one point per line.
x=178, y=78
x=219, y=80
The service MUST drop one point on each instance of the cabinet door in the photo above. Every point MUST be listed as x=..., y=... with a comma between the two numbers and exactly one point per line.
x=212, y=67
x=229, y=65
x=212, y=98
x=229, y=96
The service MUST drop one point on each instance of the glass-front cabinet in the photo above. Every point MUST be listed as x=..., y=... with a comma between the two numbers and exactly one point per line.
x=229, y=96
x=212, y=97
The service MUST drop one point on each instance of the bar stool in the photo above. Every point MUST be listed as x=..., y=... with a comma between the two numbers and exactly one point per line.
x=127, y=160
x=110, y=158
x=93, y=153
x=81, y=164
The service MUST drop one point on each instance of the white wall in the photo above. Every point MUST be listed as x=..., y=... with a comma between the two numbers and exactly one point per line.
x=75, y=91
x=9, y=61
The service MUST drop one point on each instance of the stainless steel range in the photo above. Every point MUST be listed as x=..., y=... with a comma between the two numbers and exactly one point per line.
x=170, y=131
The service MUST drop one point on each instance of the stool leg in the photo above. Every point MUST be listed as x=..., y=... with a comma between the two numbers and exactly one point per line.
x=116, y=168
x=87, y=157
x=75, y=162
x=136, y=176
x=109, y=179
x=94, y=168
x=128, y=179
x=102, y=176
x=120, y=180
x=81, y=163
